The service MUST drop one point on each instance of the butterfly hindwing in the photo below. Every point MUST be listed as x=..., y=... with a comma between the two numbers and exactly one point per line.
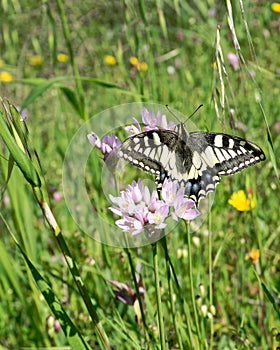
x=196, y=160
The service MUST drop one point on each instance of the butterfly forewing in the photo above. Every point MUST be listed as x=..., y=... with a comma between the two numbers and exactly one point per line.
x=196, y=160
x=228, y=154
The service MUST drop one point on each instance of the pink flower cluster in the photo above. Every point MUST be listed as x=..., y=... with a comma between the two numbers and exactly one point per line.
x=139, y=209
x=151, y=122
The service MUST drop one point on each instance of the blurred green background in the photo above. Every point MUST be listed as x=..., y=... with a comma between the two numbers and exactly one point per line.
x=64, y=63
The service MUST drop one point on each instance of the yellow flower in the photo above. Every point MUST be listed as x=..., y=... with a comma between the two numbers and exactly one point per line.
x=6, y=77
x=240, y=202
x=275, y=7
x=35, y=60
x=61, y=57
x=142, y=67
x=254, y=255
x=110, y=60
x=134, y=60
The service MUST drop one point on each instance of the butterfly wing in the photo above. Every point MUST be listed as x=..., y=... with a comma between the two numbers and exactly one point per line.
x=151, y=151
x=216, y=154
x=227, y=154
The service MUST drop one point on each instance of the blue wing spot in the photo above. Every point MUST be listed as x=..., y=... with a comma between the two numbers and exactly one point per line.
x=202, y=183
x=195, y=187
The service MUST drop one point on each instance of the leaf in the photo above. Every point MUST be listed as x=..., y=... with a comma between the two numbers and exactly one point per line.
x=75, y=339
x=72, y=98
x=22, y=160
x=270, y=298
x=39, y=89
x=270, y=142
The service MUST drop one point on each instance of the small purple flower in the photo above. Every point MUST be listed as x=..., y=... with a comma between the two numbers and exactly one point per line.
x=108, y=146
x=170, y=191
x=159, y=215
x=57, y=326
x=149, y=119
x=151, y=122
x=134, y=129
x=233, y=60
x=183, y=209
x=130, y=224
x=23, y=113
x=154, y=122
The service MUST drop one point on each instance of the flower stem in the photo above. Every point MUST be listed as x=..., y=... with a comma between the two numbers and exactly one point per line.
x=159, y=305
x=138, y=294
x=196, y=321
x=170, y=289
x=210, y=276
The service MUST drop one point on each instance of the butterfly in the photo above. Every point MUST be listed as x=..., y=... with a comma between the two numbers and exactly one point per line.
x=197, y=160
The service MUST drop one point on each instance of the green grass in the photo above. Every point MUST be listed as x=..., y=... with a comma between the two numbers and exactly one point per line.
x=209, y=295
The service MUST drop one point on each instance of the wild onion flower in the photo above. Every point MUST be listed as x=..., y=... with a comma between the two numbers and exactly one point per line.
x=151, y=121
x=240, y=201
x=23, y=113
x=108, y=146
x=141, y=210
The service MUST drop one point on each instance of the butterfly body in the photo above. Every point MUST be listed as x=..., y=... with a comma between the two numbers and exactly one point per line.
x=196, y=159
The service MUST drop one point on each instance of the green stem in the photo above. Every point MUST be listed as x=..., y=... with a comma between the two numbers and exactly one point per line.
x=138, y=294
x=170, y=290
x=76, y=73
x=159, y=305
x=190, y=341
x=210, y=276
x=192, y=286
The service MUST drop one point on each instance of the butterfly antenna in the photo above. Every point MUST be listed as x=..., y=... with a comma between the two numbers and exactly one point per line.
x=174, y=115
x=193, y=113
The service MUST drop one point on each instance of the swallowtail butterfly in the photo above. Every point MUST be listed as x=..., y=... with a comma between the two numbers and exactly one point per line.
x=196, y=159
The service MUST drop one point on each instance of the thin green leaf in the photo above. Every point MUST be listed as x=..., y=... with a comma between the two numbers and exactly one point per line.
x=22, y=160
x=74, y=337
x=38, y=91
x=72, y=98
x=270, y=298
x=270, y=142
